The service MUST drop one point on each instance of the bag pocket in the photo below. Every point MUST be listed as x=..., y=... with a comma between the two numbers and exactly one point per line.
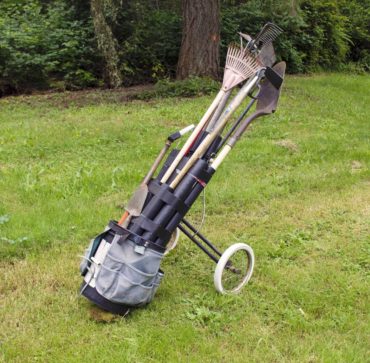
x=130, y=279
x=129, y=271
x=156, y=283
x=130, y=287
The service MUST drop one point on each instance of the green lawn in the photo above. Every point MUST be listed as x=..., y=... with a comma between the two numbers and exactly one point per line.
x=296, y=188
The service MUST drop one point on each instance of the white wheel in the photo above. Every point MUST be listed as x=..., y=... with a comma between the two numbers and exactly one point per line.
x=234, y=269
x=173, y=241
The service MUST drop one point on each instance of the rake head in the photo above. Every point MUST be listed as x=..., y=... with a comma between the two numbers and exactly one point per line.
x=267, y=35
x=240, y=65
x=261, y=46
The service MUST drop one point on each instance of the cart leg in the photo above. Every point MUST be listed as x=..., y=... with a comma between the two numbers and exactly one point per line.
x=201, y=237
x=194, y=240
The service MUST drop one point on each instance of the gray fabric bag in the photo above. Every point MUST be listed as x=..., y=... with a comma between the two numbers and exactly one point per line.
x=129, y=273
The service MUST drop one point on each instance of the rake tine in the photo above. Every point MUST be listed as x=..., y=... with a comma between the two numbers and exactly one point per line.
x=234, y=104
x=267, y=35
x=238, y=68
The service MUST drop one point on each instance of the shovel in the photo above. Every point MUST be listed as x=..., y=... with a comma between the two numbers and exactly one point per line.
x=268, y=97
x=233, y=105
x=238, y=68
x=136, y=203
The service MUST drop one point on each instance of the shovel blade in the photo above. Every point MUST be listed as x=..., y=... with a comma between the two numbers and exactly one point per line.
x=136, y=203
x=267, y=55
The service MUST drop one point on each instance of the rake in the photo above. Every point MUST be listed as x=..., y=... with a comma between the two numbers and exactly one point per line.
x=252, y=67
x=238, y=68
x=263, y=48
x=266, y=36
x=267, y=100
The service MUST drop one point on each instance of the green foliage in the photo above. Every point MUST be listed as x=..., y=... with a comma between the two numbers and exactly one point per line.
x=316, y=34
x=204, y=312
x=327, y=32
x=358, y=12
x=149, y=41
x=41, y=43
x=51, y=43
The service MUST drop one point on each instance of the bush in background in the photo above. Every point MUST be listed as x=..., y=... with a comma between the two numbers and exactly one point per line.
x=40, y=46
x=50, y=43
x=150, y=39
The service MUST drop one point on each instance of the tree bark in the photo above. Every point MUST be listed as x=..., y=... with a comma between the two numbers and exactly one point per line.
x=199, y=53
x=106, y=44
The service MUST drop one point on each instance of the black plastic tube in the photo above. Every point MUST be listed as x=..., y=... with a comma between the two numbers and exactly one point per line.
x=150, y=211
x=164, y=214
x=213, y=147
x=153, y=203
x=177, y=217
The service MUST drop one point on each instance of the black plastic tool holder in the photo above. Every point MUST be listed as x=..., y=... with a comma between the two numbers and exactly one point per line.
x=165, y=208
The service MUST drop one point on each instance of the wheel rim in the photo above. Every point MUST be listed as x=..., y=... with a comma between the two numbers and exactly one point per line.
x=234, y=268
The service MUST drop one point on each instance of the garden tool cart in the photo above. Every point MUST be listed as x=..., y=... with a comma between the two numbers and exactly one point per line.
x=121, y=266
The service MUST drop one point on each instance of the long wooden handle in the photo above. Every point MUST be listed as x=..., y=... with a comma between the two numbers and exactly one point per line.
x=193, y=136
x=156, y=162
x=238, y=133
x=202, y=148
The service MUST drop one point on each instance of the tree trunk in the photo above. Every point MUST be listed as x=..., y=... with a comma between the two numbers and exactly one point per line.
x=106, y=44
x=199, y=53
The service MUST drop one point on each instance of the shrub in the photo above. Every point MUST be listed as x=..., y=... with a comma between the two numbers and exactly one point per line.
x=327, y=32
x=149, y=40
x=39, y=44
x=316, y=33
x=48, y=43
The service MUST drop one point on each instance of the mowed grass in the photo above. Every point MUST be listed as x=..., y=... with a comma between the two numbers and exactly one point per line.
x=296, y=188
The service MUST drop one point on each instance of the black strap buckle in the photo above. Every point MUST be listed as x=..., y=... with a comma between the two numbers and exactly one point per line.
x=275, y=78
